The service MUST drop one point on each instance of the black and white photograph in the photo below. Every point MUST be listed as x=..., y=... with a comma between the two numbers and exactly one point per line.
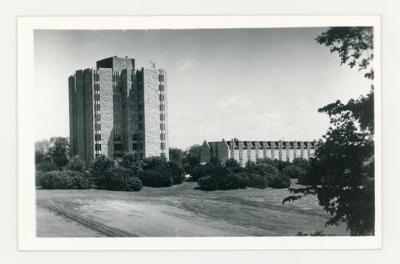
x=206, y=132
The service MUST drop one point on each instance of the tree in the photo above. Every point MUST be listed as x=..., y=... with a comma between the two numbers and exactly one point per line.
x=175, y=155
x=59, y=151
x=192, y=158
x=341, y=173
x=100, y=165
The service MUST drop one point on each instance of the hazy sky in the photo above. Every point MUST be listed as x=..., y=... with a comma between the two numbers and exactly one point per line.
x=252, y=84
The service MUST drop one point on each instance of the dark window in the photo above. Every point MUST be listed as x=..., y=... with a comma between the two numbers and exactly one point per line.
x=117, y=137
x=162, y=126
x=97, y=147
x=161, y=77
x=162, y=136
x=97, y=127
x=134, y=146
x=161, y=87
x=140, y=117
x=117, y=147
x=140, y=126
x=97, y=137
x=162, y=117
x=136, y=137
x=162, y=97
x=162, y=107
x=163, y=146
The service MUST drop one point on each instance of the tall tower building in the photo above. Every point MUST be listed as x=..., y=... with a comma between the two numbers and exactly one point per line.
x=116, y=109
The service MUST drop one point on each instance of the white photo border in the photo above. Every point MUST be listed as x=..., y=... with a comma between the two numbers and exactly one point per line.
x=27, y=239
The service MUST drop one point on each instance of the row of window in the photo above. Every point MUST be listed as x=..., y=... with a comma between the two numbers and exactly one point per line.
x=137, y=137
x=162, y=136
x=137, y=146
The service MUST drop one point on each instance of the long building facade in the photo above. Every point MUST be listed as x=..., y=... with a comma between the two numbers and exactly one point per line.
x=244, y=151
x=116, y=109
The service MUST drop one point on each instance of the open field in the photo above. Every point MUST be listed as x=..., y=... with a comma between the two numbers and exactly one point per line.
x=180, y=210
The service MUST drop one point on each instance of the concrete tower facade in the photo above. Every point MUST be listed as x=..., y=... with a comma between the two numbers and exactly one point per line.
x=115, y=109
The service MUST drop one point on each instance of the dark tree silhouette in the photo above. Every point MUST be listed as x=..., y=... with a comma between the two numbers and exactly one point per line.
x=341, y=174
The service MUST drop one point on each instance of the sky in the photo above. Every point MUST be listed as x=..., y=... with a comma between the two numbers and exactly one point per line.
x=250, y=84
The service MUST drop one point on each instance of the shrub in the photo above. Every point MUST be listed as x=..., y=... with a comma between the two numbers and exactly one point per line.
x=101, y=164
x=155, y=178
x=304, y=178
x=198, y=172
x=232, y=181
x=260, y=175
x=301, y=163
x=118, y=179
x=233, y=166
x=64, y=180
x=176, y=172
x=46, y=165
x=76, y=164
x=38, y=175
x=208, y=183
x=281, y=181
x=134, y=184
x=259, y=181
x=292, y=171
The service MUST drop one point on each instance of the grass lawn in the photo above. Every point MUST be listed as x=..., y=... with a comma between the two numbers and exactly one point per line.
x=180, y=210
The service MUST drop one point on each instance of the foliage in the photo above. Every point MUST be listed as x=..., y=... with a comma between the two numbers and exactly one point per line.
x=46, y=165
x=278, y=164
x=59, y=151
x=197, y=172
x=176, y=155
x=341, y=174
x=259, y=181
x=260, y=175
x=155, y=172
x=64, y=180
x=155, y=178
x=301, y=163
x=129, y=161
x=292, y=171
x=100, y=165
x=39, y=157
x=208, y=183
x=191, y=159
x=233, y=166
x=118, y=179
x=76, y=164
x=176, y=172
x=354, y=45
x=281, y=181
x=223, y=179
x=38, y=176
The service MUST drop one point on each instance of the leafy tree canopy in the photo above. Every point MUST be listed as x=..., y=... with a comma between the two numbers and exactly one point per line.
x=341, y=173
